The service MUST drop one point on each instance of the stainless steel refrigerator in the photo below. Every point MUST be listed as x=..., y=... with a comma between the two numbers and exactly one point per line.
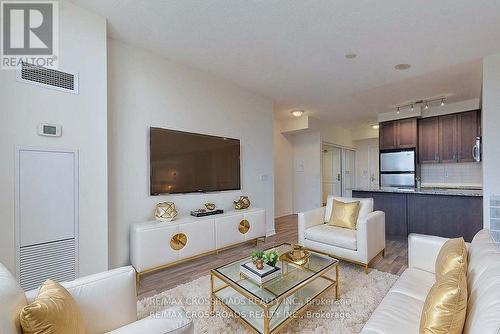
x=397, y=169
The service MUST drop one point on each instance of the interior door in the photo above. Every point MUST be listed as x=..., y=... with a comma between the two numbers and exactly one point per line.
x=373, y=166
x=349, y=177
x=332, y=171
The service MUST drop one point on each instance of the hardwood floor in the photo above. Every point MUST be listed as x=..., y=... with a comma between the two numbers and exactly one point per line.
x=395, y=260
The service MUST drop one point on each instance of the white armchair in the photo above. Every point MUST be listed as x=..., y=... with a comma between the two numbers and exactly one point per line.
x=107, y=301
x=359, y=246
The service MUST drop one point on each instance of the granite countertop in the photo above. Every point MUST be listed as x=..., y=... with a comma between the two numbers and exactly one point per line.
x=430, y=191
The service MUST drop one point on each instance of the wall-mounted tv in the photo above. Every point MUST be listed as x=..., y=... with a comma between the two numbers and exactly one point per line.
x=183, y=162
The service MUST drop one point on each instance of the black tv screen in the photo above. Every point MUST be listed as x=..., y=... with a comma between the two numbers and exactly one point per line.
x=183, y=162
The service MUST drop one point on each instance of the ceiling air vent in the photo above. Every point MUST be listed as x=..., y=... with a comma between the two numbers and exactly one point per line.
x=48, y=78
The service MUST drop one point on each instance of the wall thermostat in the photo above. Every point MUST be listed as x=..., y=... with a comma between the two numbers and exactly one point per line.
x=51, y=130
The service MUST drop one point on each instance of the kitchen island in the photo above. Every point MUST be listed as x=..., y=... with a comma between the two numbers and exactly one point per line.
x=447, y=213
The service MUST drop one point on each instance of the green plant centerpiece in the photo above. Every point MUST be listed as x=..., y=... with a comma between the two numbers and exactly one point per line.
x=260, y=257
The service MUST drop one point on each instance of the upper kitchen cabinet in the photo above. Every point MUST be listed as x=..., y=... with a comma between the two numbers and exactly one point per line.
x=448, y=138
x=407, y=133
x=398, y=134
x=428, y=140
x=387, y=135
x=468, y=129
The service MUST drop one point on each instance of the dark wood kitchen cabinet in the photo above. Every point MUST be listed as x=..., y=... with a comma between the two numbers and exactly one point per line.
x=468, y=130
x=398, y=134
x=387, y=135
x=445, y=216
x=406, y=133
x=428, y=140
x=448, y=138
x=394, y=205
x=448, y=216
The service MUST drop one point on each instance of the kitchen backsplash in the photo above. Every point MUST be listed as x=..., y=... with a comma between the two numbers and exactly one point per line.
x=454, y=174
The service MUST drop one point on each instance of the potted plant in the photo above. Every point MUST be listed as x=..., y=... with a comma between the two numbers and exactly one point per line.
x=260, y=257
x=271, y=257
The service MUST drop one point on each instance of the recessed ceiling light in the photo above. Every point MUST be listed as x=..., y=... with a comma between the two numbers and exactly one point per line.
x=297, y=113
x=402, y=67
x=375, y=126
x=351, y=55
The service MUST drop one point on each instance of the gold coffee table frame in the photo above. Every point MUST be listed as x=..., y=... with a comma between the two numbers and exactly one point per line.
x=266, y=306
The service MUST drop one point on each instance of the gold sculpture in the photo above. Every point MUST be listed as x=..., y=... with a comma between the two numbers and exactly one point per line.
x=210, y=206
x=165, y=211
x=242, y=203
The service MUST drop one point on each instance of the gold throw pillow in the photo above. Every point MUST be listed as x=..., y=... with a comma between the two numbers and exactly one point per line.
x=345, y=214
x=452, y=256
x=54, y=311
x=445, y=307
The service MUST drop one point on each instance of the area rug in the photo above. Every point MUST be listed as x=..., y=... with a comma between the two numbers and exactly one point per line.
x=360, y=294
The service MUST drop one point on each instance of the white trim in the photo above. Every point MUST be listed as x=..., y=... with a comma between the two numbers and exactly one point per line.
x=17, y=235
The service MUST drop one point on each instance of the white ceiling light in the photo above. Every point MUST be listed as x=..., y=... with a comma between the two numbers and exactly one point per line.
x=442, y=101
x=411, y=109
x=397, y=112
x=351, y=55
x=402, y=67
x=426, y=105
x=297, y=113
x=375, y=126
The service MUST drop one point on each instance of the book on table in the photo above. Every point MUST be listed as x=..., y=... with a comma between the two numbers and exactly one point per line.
x=259, y=276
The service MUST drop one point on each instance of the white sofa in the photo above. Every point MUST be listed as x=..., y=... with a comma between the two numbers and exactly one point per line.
x=107, y=301
x=401, y=308
x=359, y=246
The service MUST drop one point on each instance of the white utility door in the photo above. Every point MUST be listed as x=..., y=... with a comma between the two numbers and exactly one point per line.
x=349, y=180
x=332, y=171
x=373, y=166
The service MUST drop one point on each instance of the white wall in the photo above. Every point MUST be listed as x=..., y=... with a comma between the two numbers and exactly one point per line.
x=84, y=121
x=306, y=171
x=491, y=131
x=147, y=90
x=296, y=140
x=283, y=175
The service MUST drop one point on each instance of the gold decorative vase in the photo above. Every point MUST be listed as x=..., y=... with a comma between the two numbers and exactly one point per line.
x=242, y=203
x=165, y=211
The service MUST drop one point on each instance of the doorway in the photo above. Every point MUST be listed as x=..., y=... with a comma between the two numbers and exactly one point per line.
x=338, y=171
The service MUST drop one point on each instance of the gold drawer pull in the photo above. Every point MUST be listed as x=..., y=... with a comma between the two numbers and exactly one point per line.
x=244, y=226
x=178, y=241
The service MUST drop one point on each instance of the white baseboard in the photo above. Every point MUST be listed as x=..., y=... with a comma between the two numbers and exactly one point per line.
x=270, y=233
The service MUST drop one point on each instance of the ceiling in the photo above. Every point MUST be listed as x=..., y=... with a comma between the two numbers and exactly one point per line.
x=293, y=51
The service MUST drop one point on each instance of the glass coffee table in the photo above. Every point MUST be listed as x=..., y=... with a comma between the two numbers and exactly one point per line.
x=267, y=308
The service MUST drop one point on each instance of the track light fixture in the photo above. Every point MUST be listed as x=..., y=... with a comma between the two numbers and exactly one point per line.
x=425, y=103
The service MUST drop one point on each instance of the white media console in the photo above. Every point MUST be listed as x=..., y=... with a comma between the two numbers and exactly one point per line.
x=157, y=245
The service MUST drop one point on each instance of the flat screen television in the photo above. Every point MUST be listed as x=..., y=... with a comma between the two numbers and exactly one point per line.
x=183, y=162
